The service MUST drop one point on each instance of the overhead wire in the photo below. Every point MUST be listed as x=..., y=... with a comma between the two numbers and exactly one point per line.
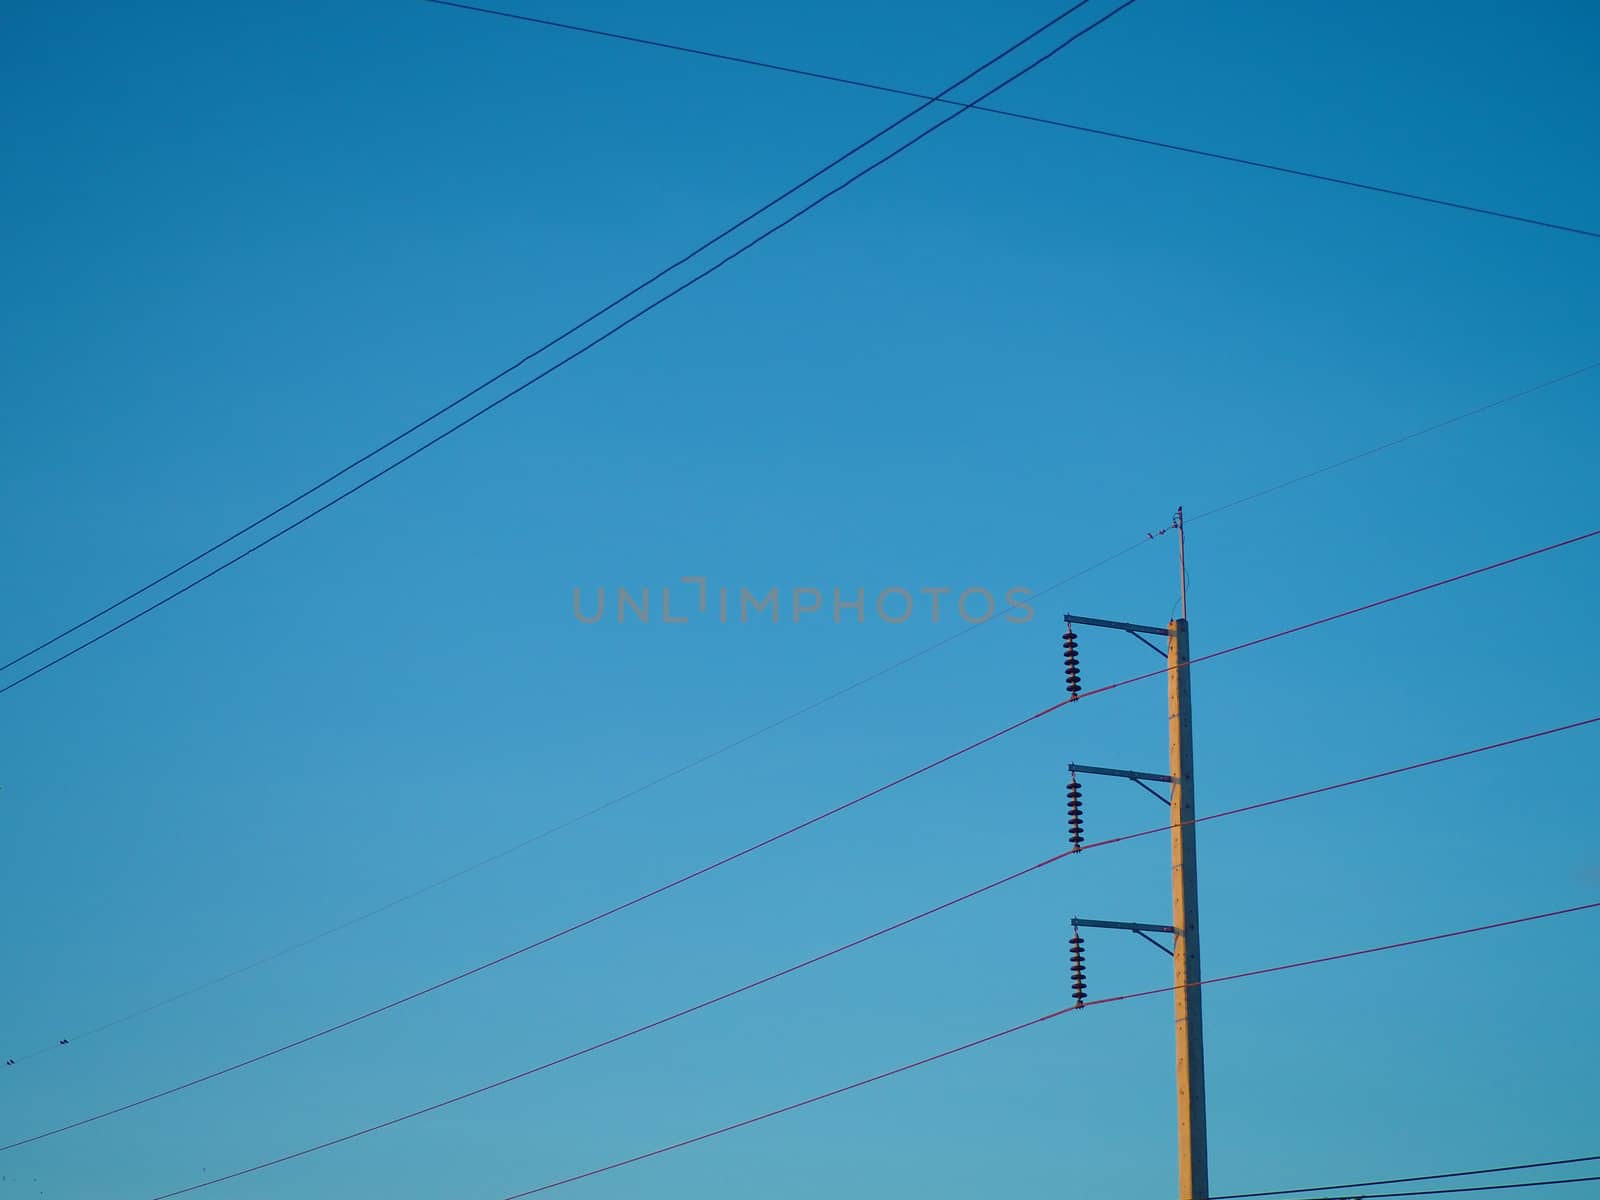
x=1365, y=1183
x=533, y=839
x=55, y=1044
x=771, y=839
x=854, y=685
x=1033, y=118
x=974, y=893
x=1399, y=441
x=526, y=358
x=60, y=1042
x=432, y=885
x=928, y=100
x=1035, y=1022
x=1454, y=1191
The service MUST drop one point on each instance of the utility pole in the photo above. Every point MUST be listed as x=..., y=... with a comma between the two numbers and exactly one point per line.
x=1193, y=1174
x=1193, y=1181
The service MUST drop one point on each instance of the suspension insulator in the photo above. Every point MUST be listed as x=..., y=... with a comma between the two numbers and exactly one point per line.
x=1074, y=812
x=1080, y=987
x=1069, y=656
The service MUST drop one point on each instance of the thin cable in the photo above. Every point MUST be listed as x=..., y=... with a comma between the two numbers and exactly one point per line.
x=1364, y=1183
x=569, y=822
x=206, y=553
x=851, y=945
x=493, y=379
x=788, y=832
x=705, y=758
x=486, y=408
x=550, y=831
x=602, y=311
x=1350, y=612
x=1389, y=445
x=1482, y=1187
x=774, y=838
x=1152, y=143
x=587, y=346
x=994, y=1037
x=587, y=814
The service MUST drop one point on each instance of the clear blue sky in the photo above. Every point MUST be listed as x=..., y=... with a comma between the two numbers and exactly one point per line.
x=245, y=243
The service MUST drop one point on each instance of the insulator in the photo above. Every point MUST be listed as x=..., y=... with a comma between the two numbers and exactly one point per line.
x=1069, y=656
x=1080, y=986
x=1074, y=812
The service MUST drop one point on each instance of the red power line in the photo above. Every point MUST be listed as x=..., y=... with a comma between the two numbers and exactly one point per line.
x=888, y=929
x=1060, y=1012
x=567, y=823
x=770, y=840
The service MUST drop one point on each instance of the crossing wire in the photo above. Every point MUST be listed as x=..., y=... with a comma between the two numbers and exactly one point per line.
x=1399, y=441
x=1034, y=1023
x=1151, y=143
x=566, y=823
x=1366, y=1183
x=590, y=319
x=851, y=945
x=755, y=847
x=144, y=1010
x=1481, y=1187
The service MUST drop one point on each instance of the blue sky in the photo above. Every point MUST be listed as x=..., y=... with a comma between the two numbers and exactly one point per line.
x=245, y=244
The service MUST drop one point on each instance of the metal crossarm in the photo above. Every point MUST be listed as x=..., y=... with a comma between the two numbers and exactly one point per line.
x=1138, y=777
x=1159, y=631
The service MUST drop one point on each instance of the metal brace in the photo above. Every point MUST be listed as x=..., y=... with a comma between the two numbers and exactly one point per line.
x=1137, y=631
x=1138, y=777
x=1137, y=927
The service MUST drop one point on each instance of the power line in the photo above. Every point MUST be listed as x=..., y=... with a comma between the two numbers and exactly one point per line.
x=755, y=847
x=1152, y=143
x=928, y=100
x=569, y=822
x=1333, y=1187
x=1036, y=1021
x=550, y=831
x=1399, y=441
x=1164, y=828
x=595, y=810
x=656, y=781
x=1482, y=1187
x=588, y=320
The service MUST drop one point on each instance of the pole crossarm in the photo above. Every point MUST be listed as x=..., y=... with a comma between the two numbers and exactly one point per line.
x=1138, y=777
x=1119, y=773
x=1184, y=932
x=1159, y=631
x=1134, y=926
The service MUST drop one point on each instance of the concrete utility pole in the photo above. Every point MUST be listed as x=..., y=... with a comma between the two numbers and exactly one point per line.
x=1193, y=1174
